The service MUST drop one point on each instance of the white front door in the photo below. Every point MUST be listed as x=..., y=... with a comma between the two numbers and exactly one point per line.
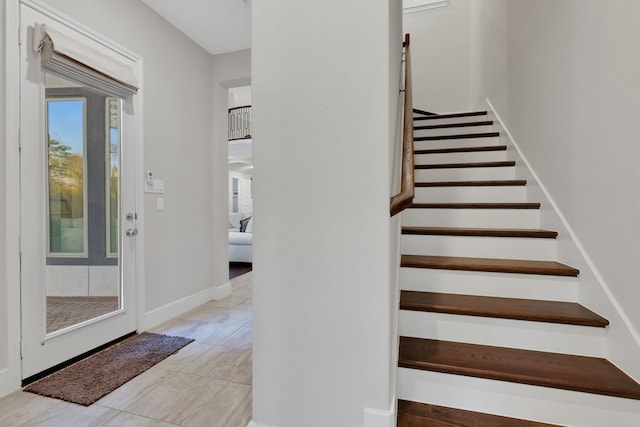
x=78, y=214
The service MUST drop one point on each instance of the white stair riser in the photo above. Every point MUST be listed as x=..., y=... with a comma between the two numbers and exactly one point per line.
x=489, y=218
x=527, y=335
x=433, y=122
x=464, y=157
x=480, y=247
x=455, y=143
x=508, y=285
x=512, y=193
x=465, y=174
x=561, y=407
x=451, y=131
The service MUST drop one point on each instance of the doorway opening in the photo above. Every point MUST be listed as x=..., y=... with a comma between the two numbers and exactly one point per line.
x=240, y=181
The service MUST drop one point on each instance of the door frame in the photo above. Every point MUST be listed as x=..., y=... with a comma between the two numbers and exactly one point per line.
x=11, y=376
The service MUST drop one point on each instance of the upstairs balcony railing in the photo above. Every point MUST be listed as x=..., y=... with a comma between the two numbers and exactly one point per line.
x=239, y=122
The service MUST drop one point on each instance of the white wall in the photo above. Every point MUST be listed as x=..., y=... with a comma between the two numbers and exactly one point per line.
x=227, y=70
x=239, y=96
x=322, y=259
x=9, y=308
x=574, y=107
x=564, y=77
x=488, y=70
x=440, y=52
x=3, y=294
x=177, y=142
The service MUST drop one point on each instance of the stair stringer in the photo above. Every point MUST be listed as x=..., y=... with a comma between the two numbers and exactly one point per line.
x=622, y=338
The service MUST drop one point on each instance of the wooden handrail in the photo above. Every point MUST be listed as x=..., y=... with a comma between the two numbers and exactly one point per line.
x=404, y=198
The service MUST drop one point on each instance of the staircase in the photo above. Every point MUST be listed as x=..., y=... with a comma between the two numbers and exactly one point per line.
x=490, y=330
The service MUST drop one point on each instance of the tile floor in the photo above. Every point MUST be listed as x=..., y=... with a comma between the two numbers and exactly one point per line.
x=207, y=383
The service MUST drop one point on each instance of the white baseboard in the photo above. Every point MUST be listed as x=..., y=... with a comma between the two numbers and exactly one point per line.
x=160, y=315
x=222, y=291
x=380, y=417
x=372, y=418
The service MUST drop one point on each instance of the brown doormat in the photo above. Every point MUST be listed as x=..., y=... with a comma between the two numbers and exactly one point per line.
x=88, y=380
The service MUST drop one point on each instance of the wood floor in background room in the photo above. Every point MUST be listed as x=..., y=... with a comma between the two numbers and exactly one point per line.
x=239, y=268
x=207, y=383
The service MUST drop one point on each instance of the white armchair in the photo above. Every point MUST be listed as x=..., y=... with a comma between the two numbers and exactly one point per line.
x=240, y=238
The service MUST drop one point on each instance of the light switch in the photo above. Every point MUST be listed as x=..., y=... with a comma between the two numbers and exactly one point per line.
x=160, y=203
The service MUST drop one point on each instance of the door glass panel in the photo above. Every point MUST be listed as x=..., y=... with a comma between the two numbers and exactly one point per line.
x=67, y=192
x=83, y=280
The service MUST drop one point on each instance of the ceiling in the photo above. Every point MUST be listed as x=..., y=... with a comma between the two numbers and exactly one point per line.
x=221, y=26
x=218, y=26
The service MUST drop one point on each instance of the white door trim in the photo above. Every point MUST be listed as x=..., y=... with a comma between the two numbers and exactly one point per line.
x=10, y=379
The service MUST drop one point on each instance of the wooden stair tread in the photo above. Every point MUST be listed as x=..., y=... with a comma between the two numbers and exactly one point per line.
x=462, y=149
x=452, y=116
x=415, y=414
x=563, y=371
x=484, y=232
x=475, y=206
x=457, y=136
x=486, y=183
x=496, y=265
x=426, y=113
x=506, y=163
x=567, y=313
x=455, y=125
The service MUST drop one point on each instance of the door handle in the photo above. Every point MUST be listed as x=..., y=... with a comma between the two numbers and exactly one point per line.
x=131, y=232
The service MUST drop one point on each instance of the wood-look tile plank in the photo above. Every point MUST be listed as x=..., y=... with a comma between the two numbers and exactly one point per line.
x=72, y=415
x=178, y=398
x=124, y=419
x=144, y=383
x=229, y=408
x=19, y=407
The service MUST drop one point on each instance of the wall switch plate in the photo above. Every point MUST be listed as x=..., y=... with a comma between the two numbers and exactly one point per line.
x=160, y=203
x=156, y=187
